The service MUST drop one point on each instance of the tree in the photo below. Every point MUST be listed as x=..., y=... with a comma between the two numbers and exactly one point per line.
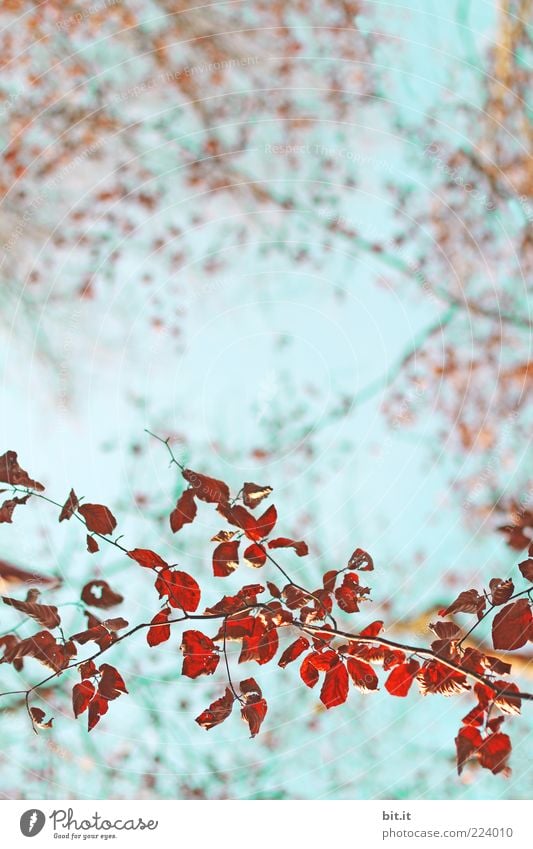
x=259, y=617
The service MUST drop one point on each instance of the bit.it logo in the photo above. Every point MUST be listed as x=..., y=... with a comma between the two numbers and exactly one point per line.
x=32, y=822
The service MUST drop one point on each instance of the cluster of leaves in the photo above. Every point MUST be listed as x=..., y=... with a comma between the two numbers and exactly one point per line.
x=260, y=615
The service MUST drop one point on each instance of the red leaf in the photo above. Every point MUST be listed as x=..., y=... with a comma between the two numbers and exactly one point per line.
x=38, y=718
x=111, y=684
x=159, y=631
x=335, y=687
x=184, y=512
x=350, y=593
x=180, y=588
x=82, y=694
x=69, y=507
x=526, y=568
x=147, y=558
x=511, y=628
x=261, y=645
x=11, y=472
x=45, y=614
x=362, y=675
x=92, y=545
x=273, y=589
x=293, y=651
x=329, y=580
x=372, y=630
x=253, y=494
x=8, y=507
x=236, y=629
x=246, y=596
x=99, y=519
x=255, y=529
x=401, y=678
x=301, y=548
x=44, y=648
x=494, y=752
x=207, y=489
x=467, y=743
x=255, y=707
x=97, y=708
x=255, y=556
x=265, y=524
x=469, y=601
x=435, y=677
x=217, y=712
x=324, y=660
x=500, y=591
x=201, y=656
x=392, y=657
x=99, y=594
x=361, y=560
x=508, y=704
x=226, y=558
x=309, y=673
x=87, y=669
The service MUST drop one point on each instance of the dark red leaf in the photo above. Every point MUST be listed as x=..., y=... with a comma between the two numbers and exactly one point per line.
x=82, y=694
x=469, y=601
x=45, y=614
x=261, y=645
x=329, y=580
x=255, y=707
x=226, y=558
x=159, y=631
x=99, y=594
x=87, y=669
x=200, y=654
x=401, y=678
x=97, y=708
x=180, y=588
x=507, y=703
x=301, y=548
x=526, y=568
x=11, y=473
x=38, y=717
x=293, y=651
x=184, y=512
x=69, y=507
x=435, y=677
x=511, y=628
x=92, y=545
x=207, y=489
x=147, y=558
x=253, y=494
x=8, y=507
x=500, y=591
x=44, y=648
x=217, y=712
x=361, y=560
x=246, y=596
x=99, y=519
x=335, y=687
x=111, y=684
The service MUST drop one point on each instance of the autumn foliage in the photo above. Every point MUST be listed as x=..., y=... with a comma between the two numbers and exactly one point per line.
x=275, y=621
